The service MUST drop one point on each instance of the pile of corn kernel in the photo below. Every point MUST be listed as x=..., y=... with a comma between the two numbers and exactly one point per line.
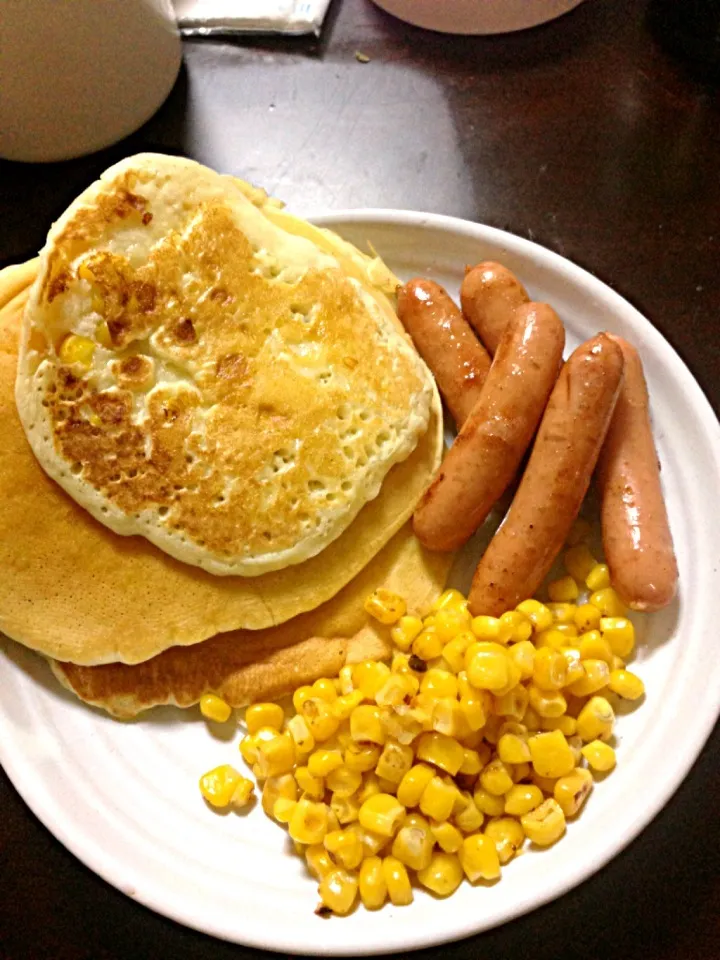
x=480, y=734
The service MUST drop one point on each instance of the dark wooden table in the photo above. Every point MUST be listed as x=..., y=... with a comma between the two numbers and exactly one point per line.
x=584, y=135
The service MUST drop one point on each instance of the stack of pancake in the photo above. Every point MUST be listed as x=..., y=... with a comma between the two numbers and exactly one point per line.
x=214, y=433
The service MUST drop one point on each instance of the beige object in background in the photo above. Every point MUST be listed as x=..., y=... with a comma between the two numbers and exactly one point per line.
x=477, y=16
x=79, y=75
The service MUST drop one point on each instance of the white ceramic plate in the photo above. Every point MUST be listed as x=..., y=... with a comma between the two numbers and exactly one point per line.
x=123, y=797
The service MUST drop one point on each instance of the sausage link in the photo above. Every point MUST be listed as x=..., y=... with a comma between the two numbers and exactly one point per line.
x=635, y=530
x=490, y=294
x=446, y=342
x=486, y=454
x=555, y=481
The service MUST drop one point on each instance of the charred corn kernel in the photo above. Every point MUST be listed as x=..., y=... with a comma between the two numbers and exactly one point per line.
x=512, y=704
x=438, y=798
x=318, y=860
x=395, y=761
x=512, y=749
x=439, y=683
x=215, y=708
x=626, y=684
x=479, y=859
x=372, y=883
x=300, y=732
x=488, y=666
x=531, y=720
x=344, y=705
x=346, y=809
x=411, y=787
x=564, y=590
x=276, y=787
x=596, y=720
x=345, y=847
x=596, y=676
x=397, y=882
x=369, y=676
x=366, y=724
x=343, y=782
x=443, y=875
x=447, y=837
x=325, y=689
x=598, y=578
x=566, y=725
x=441, y=751
x=346, y=679
x=579, y=531
x=77, y=349
x=491, y=628
x=496, y=777
x=518, y=624
x=619, y=633
x=261, y=715
x=283, y=809
x=608, y=603
x=508, y=836
x=382, y=813
x=600, y=756
x=562, y=612
x=472, y=763
x=551, y=755
x=370, y=787
x=523, y=653
x=427, y=644
x=413, y=844
x=545, y=824
x=537, y=613
x=405, y=631
x=552, y=639
x=323, y=761
x=587, y=617
x=218, y=785
x=575, y=668
x=385, y=606
x=579, y=561
x=489, y=804
x=361, y=756
x=469, y=818
x=549, y=670
x=314, y=787
x=309, y=821
x=276, y=756
x=338, y=891
x=547, y=703
x=448, y=717
x=593, y=646
x=522, y=798
x=572, y=791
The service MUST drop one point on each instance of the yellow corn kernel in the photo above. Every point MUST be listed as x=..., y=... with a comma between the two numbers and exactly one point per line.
x=472, y=763
x=512, y=704
x=372, y=883
x=468, y=818
x=370, y=787
x=215, y=708
x=345, y=677
x=488, y=666
x=395, y=761
x=372, y=843
x=405, y=631
x=518, y=625
x=366, y=724
x=531, y=720
x=491, y=730
x=596, y=720
x=428, y=644
x=413, y=844
x=382, y=814
x=283, y=809
x=404, y=724
x=546, y=784
x=309, y=821
x=361, y=756
x=520, y=771
x=314, y=787
x=345, y=847
x=441, y=751
x=600, y=756
x=619, y=633
x=626, y=684
x=579, y=531
x=102, y=331
x=319, y=717
x=398, y=689
x=512, y=749
x=522, y=798
x=563, y=613
x=572, y=791
x=343, y=706
x=597, y=676
x=593, y=646
x=496, y=777
x=551, y=754
x=451, y=620
x=491, y=628
x=323, y=761
x=587, y=617
x=488, y=803
x=439, y=683
x=318, y=860
x=608, y=603
x=523, y=654
x=343, y=782
x=454, y=650
x=547, y=703
x=448, y=717
x=325, y=689
x=302, y=694
x=438, y=798
x=449, y=598
x=218, y=785
x=575, y=668
x=243, y=793
x=275, y=756
x=369, y=676
x=443, y=875
x=552, y=639
x=564, y=590
x=479, y=858
x=579, y=561
x=77, y=349
x=537, y=613
x=397, y=882
x=545, y=824
x=413, y=783
x=385, y=606
x=550, y=669
x=568, y=630
x=346, y=809
x=508, y=836
x=338, y=891
x=575, y=743
x=447, y=837
x=276, y=787
x=598, y=578
x=566, y=725
x=300, y=732
x=474, y=712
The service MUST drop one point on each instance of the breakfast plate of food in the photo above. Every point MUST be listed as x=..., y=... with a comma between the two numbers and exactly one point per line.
x=358, y=577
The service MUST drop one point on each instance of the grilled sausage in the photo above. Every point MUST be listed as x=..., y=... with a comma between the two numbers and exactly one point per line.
x=490, y=294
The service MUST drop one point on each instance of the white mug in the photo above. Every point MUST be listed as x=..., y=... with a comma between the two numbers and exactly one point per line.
x=78, y=75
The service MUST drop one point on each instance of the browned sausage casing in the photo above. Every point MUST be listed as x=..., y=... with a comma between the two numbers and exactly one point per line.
x=635, y=530
x=490, y=294
x=447, y=344
x=484, y=458
x=555, y=481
